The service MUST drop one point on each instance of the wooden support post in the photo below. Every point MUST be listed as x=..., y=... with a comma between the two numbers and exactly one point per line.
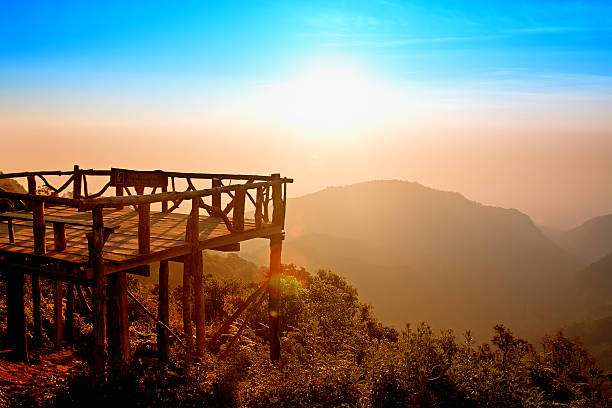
x=144, y=228
x=11, y=230
x=36, y=315
x=277, y=202
x=117, y=324
x=38, y=221
x=238, y=212
x=164, y=204
x=197, y=274
x=38, y=225
x=216, y=197
x=76, y=183
x=59, y=236
x=163, y=313
x=259, y=202
x=58, y=320
x=187, y=322
x=16, y=314
x=69, y=326
x=274, y=295
x=119, y=193
x=99, y=296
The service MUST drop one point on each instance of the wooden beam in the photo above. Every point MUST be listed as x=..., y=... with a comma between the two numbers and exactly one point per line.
x=58, y=320
x=163, y=312
x=85, y=205
x=274, y=296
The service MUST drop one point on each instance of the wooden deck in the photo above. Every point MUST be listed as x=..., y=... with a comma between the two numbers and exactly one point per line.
x=66, y=233
x=167, y=232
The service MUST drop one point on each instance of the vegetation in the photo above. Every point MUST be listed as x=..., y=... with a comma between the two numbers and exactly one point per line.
x=335, y=353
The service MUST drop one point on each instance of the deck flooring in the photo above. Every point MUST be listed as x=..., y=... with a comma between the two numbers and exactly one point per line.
x=167, y=231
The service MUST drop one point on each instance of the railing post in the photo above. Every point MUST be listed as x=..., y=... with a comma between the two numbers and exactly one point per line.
x=277, y=201
x=76, y=183
x=238, y=211
x=259, y=202
x=216, y=197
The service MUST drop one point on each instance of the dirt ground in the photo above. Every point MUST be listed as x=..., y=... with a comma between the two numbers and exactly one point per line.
x=47, y=367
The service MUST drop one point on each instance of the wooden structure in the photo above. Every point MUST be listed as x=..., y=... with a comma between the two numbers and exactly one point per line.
x=91, y=241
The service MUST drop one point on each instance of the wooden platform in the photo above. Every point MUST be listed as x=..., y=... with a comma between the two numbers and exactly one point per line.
x=66, y=233
x=167, y=234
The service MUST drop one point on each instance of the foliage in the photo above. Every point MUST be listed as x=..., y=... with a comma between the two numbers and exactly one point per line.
x=335, y=353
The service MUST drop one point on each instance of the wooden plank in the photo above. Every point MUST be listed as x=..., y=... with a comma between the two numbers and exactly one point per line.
x=27, y=216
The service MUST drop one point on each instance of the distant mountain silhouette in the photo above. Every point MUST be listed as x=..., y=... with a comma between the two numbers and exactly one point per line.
x=591, y=240
x=11, y=185
x=589, y=292
x=420, y=254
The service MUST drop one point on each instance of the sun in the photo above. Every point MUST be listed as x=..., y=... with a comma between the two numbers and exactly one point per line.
x=329, y=98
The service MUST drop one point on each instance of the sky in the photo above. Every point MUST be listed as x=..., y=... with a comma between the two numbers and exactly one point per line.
x=509, y=103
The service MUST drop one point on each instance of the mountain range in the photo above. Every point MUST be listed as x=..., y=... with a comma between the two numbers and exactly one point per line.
x=420, y=254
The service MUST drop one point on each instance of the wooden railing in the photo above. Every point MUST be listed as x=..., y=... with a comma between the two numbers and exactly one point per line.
x=227, y=196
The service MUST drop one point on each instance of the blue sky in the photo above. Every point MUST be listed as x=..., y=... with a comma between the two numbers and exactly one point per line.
x=448, y=41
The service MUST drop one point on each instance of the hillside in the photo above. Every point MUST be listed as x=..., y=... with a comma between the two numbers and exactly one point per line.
x=420, y=254
x=11, y=185
x=591, y=240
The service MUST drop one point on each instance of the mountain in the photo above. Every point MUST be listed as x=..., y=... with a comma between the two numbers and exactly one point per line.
x=420, y=254
x=589, y=292
x=11, y=185
x=588, y=303
x=591, y=240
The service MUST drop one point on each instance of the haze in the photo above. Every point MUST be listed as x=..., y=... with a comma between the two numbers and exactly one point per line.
x=508, y=104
